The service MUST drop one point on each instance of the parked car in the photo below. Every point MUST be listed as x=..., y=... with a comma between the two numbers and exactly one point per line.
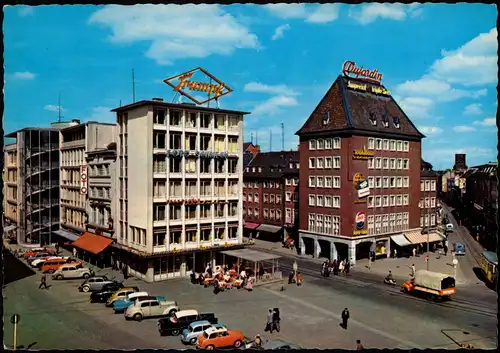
x=120, y=305
x=107, y=291
x=53, y=265
x=39, y=255
x=121, y=294
x=147, y=308
x=181, y=320
x=38, y=263
x=95, y=284
x=450, y=227
x=71, y=271
x=459, y=249
x=195, y=329
x=32, y=252
x=214, y=338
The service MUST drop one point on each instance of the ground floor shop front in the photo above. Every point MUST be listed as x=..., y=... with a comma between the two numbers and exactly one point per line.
x=164, y=266
x=369, y=246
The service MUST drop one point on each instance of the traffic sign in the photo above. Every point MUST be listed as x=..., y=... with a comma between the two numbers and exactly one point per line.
x=14, y=319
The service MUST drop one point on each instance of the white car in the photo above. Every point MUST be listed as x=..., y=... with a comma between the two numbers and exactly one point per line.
x=71, y=271
x=151, y=307
x=40, y=261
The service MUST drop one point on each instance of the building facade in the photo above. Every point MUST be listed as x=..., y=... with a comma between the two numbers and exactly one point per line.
x=81, y=152
x=429, y=205
x=359, y=182
x=32, y=192
x=179, y=183
x=270, y=195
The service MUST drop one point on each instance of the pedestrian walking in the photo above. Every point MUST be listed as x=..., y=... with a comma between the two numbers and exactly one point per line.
x=269, y=322
x=57, y=249
x=345, y=318
x=276, y=319
x=335, y=267
x=299, y=279
x=395, y=253
x=347, y=267
x=43, y=282
x=125, y=272
x=324, y=267
x=341, y=266
x=359, y=346
x=370, y=262
x=413, y=270
x=414, y=251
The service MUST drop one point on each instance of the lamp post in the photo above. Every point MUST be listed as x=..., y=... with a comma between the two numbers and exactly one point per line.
x=451, y=338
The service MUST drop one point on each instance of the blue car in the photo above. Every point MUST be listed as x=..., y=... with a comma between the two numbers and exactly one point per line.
x=459, y=249
x=119, y=306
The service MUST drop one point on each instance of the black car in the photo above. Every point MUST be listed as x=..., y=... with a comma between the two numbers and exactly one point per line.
x=182, y=319
x=106, y=292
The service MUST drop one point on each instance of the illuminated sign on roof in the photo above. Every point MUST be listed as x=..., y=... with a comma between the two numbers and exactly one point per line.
x=349, y=69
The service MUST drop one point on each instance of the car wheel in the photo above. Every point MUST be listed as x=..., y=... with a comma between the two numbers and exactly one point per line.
x=237, y=344
x=59, y=277
x=172, y=312
x=137, y=317
x=193, y=341
x=175, y=332
x=86, y=289
x=86, y=275
x=210, y=348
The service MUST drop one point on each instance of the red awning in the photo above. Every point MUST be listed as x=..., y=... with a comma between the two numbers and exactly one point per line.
x=249, y=225
x=92, y=242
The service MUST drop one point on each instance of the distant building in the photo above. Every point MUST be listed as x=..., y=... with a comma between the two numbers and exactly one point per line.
x=460, y=165
x=429, y=208
x=250, y=151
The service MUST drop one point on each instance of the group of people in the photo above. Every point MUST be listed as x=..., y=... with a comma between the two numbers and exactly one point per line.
x=223, y=277
x=273, y=320
x=336, y=267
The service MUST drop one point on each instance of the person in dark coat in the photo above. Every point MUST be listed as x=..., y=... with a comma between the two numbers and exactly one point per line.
x=269, y=322
x=345, y=318
x=347, y=267
x=335, y=267
x=43, y=282
x=276, y=319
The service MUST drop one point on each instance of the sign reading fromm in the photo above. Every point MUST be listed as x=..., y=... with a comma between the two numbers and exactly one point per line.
x=360, y=220
x=363, y=153
x=214, y=89
x=350, y=69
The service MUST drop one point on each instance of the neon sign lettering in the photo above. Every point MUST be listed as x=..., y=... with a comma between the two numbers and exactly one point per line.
x=349, y=69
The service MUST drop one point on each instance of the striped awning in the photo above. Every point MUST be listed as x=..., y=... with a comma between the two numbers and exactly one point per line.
x=400, y=240
x=416, y=237
x=269, y=228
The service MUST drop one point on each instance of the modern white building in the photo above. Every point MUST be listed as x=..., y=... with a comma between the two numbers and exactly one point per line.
x=179, y=185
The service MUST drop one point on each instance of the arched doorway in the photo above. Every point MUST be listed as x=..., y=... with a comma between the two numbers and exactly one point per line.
x=324, y=248
x=308, y=246
x=363, y=249
x=342, y=251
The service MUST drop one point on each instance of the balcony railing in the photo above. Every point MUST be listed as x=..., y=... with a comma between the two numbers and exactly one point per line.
x=34, y=188
x=41, y=149
x=73, y=144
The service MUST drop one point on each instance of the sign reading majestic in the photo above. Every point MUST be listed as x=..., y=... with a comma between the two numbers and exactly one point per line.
x=349, y=69
x=214, y=89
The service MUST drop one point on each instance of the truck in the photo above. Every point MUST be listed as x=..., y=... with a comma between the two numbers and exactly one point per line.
x=432, y=285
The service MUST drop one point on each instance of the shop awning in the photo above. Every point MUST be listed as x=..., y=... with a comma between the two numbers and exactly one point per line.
x=249, y=225
x=250, y=255
x=416, y=237
x=92, y=242
x=400, y=240
x=67, y=235
x=9, y=228
x=268, y=228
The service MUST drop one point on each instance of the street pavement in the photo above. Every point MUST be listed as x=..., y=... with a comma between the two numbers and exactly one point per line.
x=381, y=316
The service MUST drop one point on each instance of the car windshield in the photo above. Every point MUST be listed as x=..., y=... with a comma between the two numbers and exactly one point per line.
x=190, y=328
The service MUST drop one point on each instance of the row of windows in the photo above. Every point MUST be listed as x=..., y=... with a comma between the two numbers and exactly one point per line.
x=204, y=211
x=190, y=165
x=325, y=144
x=324, y=224
x=206, y=188
x=424, y=220
x=265, y=185
x=73, y=157
x=273, y=214
x=73, y=197
x=324, y=182
x=192, y=236
x=99, y=215
x=389, y=163
x=293, y=181
x=272, y=198
x=193, y=119
x=100, y=192
x=392, y=222
x=388, y=182
x=195, y=142
x=388, y=145
x=324, y=162
x=290, y=197
x=428, y=202
x=279, y=169
x=291, y=215
x=73, y=217
x=388, y=200
x=324, y=201
x=427, y=185
x=99, y=170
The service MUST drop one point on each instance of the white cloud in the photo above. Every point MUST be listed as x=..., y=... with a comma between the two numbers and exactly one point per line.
x=270, y=89
x=24, y=75
x=323, y=13
x=25, y=11
x=437, y=89
x=463, y=128
x=486, y=122
x=473, y=109
x=474, y=63
x=53, y=108
x=278, y=33
x=416, y=107
x=176, y=31
x=430, y=130
x=274, y=105
x=372, y=12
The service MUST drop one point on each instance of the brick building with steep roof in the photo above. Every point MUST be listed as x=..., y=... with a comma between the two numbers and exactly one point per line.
x=270, y=195
x=359, y=182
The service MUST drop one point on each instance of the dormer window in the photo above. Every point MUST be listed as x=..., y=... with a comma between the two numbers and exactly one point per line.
x=385, y=120
x=253, y=170
x=260, y=169
x=396, y=121
x=326, y=118
x=373, y=119
x=291, y=166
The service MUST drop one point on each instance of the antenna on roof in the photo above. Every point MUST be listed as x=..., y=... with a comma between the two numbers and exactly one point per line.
x=133, y=86
x=270, y=140
x=282, y=136
x=120, y=102
x=59, y=108
x=251, y=138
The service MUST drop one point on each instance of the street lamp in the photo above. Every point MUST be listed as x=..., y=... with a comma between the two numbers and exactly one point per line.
x=451, y=338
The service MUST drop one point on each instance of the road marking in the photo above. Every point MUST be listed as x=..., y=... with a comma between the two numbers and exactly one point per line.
x=407, y=343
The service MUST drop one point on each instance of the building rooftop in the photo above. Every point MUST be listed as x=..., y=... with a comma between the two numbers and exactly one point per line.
x=79, y=126
x=273, y=164
x=351, y=110
x=175, y=105
x=14, y=133
x=488, y=168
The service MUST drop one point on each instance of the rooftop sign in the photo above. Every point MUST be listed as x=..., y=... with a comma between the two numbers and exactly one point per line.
x=350, y=69
x=184, y=82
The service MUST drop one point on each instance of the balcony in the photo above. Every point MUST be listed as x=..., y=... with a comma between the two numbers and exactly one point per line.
x=73, y=144
x=34, y=151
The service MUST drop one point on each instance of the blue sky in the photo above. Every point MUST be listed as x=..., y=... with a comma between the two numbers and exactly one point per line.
x=439, y=61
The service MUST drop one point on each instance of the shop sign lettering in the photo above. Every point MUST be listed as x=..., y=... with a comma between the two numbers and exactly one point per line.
x=360, y=201
x=183, y=82
x=350, y=69
x=368, y=88
x=83, y=179
x=363, y=153
x=360, y=232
